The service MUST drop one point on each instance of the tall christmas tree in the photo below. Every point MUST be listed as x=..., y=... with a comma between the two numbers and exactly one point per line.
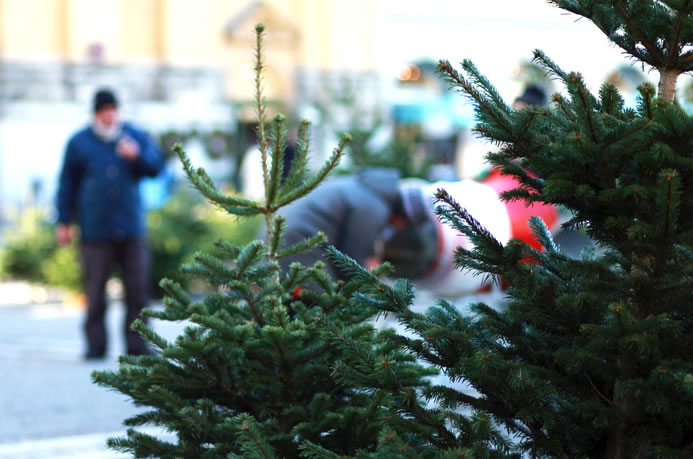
x=252, y=374
x=588, y=357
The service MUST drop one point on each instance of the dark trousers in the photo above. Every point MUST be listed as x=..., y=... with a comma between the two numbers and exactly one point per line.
x=132, y=257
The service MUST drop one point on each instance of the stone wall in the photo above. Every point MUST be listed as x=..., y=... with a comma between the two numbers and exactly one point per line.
x=68, y=82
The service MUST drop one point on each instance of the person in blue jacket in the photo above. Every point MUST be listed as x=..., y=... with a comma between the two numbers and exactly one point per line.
x=99, y=189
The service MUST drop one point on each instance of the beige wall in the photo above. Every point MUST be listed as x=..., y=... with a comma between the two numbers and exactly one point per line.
x=194, y=31
x=315, y=35
x=140, y=29
x=36, y=30
x=29, y=30
x=337, y=35
x=94, y=22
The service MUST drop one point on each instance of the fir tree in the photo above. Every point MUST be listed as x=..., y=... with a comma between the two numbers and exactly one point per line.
x=252, y=374
x=588, y=357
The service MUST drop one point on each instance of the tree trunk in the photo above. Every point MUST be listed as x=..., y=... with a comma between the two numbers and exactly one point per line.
x=667, y=83
x=616, y=444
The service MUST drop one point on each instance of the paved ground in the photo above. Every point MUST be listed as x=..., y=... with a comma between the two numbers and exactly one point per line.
x=48, y=406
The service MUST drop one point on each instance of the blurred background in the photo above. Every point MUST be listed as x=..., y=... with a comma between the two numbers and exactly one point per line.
x=183, y=70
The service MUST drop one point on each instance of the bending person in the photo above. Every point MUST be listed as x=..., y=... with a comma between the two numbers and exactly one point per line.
x=376, y=216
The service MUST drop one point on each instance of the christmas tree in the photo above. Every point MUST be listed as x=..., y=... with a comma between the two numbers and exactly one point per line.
x=587, y=357
x=252, y=374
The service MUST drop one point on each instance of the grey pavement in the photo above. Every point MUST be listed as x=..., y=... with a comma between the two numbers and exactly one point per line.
x=49, y=407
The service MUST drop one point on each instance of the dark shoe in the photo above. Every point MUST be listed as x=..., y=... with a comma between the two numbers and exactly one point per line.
x=94, y=354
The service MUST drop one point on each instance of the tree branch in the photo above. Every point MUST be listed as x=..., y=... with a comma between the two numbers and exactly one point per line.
x=673, y=49
x=654, y=52
x=598, y=392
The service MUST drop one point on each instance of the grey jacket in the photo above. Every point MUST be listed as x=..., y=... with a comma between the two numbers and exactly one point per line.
x=351, y=210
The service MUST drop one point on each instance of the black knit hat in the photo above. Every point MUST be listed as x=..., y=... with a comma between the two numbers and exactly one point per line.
x=103, y=98
x=533, y=95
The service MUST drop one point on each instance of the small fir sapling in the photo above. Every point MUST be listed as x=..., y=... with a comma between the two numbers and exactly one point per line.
x=253, y=372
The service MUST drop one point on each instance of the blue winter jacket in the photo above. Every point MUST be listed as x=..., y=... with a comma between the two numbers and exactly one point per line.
x=100, y=189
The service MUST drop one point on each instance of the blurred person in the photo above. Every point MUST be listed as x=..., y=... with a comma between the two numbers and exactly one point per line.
x=376, y=216
x=99, y=189
x=532, y=95
x=470, y=158
x=351, y=210
x=627, y=79
x=572, y=242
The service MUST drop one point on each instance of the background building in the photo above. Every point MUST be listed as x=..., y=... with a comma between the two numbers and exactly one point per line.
x=176, y=65
x=187, y=66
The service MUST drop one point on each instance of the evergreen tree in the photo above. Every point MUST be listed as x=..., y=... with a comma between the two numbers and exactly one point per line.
x=588, y=357
x=252, y=374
